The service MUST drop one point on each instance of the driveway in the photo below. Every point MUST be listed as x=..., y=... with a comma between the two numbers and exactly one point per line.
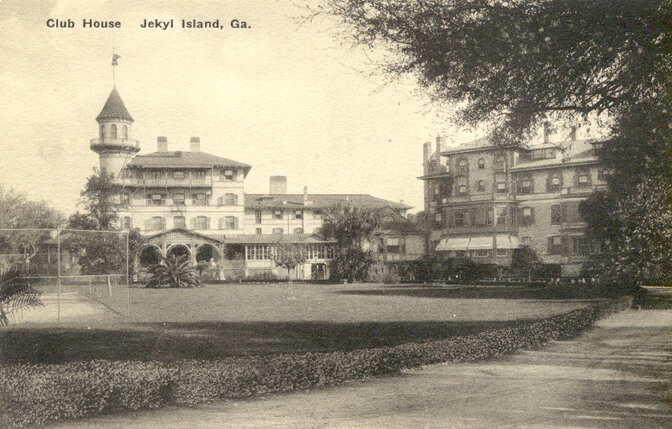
x=617, y=375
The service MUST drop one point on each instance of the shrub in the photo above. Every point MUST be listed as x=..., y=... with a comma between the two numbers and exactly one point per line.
x=36, y=394
x=176, y=273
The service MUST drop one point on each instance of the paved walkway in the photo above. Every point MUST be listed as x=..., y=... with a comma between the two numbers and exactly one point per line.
x=617, y=375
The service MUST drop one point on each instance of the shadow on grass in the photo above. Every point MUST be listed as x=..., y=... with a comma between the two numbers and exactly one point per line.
x=212, y=340
x=487, y=292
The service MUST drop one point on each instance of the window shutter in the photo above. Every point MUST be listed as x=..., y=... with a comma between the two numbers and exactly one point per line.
x=235, y=223
x=563, y=212
x=207, y=222
x=565, y=245
x=148, y=224
x=235, y=199
x=220, y=201
x=576, y=178
x=548, y=183
x=149, y=199
x=549, y=245
x=192, y=223
x=220, y=223
x=531, y=184
x=163, y=223
x=532, y=216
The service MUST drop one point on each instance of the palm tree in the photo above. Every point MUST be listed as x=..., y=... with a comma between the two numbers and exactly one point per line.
x=174, y=272
x=15, y=294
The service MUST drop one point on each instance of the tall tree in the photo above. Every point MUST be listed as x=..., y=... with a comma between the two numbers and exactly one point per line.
x=507, y=65
x=101, y=252
x=99, y=199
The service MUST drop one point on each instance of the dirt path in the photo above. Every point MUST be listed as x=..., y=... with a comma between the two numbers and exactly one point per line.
x=616, y=375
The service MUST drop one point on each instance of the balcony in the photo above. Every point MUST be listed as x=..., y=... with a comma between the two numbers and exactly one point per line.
x=165, y=183
x=109, y=143
x=436, y=171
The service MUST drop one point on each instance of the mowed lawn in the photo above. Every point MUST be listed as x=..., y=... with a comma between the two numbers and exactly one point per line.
x=252, y=319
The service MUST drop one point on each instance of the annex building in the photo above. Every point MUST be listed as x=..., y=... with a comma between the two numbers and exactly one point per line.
x=485, y=200
x=194, y=203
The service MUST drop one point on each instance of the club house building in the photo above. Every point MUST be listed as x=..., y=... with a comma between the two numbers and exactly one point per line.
x=194, y=203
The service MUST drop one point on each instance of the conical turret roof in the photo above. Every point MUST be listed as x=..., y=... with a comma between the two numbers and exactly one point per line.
x=114, y=108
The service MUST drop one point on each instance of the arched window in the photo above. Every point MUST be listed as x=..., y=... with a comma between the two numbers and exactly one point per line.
x=125, y=132
x=114, y=131
x=481, y=185
x=462, y=166
x=481, y=164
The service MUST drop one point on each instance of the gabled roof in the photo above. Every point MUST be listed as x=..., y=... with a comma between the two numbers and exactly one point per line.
x=176, y=159
x=114, y=108
x=317, y=201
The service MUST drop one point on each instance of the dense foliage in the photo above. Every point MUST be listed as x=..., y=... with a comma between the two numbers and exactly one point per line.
x=18, y=213
x=36, y=394
x=352, y=227
x=101, y=252
x=175, y=272
x=16, y=294
x=507, y=65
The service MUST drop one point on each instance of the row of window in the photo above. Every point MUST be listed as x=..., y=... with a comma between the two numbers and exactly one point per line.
x=158, y=223
x=463, y=164
x=260, y=252
x=112, y=133
x=570, y=245
x=226, y=175
x=560, y=213
x=282, y=231
x=279, y=214
x=481, y=253
x=197, y=199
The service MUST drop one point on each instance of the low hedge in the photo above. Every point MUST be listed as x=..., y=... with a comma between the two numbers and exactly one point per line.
x=36, y=394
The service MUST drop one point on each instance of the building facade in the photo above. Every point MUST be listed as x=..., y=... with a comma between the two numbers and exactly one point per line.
x=193, y=203
x=485, y=200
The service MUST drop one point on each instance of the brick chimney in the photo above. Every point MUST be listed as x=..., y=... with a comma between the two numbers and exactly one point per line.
x=162, y=144
x=426, y=151
x=195, y=144
x=547, y=131
x=278, y=185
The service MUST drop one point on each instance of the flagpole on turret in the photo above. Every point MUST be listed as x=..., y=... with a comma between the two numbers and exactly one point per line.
x=115, y=57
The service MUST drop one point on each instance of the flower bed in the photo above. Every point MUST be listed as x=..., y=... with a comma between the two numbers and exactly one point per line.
x=36, y=394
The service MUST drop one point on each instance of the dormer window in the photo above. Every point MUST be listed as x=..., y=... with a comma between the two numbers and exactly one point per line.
x=298, y=214
x=228, y=175
x=584, y=180
x=277, y=214
x=481, y=164
x=481, y=185
x=178, y=175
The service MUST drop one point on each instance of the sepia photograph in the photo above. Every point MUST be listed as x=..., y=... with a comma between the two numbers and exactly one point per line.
x=336, y=214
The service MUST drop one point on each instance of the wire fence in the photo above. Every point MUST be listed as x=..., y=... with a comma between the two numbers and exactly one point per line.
x=79, y=272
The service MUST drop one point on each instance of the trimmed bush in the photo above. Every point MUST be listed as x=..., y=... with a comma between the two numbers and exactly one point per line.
x=36, y=394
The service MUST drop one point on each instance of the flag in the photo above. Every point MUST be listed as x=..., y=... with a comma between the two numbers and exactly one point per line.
x=115, y=57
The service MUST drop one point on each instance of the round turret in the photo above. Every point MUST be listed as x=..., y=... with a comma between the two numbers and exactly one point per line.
x=114, y=145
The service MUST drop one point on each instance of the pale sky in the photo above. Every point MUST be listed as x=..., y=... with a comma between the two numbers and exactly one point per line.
x=288, y=100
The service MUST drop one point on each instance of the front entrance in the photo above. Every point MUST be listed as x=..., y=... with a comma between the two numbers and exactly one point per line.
x=318, y=271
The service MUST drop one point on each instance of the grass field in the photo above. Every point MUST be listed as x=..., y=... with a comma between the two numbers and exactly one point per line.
x=255, y=319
